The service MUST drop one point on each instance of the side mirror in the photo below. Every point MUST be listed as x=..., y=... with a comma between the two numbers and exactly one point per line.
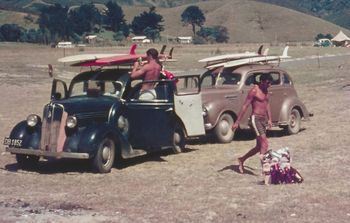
x=50, y=70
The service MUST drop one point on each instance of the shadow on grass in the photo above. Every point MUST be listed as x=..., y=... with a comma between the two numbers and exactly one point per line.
x=240, y=135
x=152, y=157
x=235, y=168
x=53, y=166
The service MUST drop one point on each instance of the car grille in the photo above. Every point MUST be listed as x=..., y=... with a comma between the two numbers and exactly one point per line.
x=53, y=128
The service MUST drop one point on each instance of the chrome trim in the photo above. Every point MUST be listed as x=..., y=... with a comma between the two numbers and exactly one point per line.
x=87, y=115
x=57, y=155
x=208, y=126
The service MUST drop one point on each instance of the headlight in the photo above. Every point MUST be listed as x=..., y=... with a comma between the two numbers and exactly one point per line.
x=33, y=120
x=205, y=111
x=123, y=124
x=71, y=122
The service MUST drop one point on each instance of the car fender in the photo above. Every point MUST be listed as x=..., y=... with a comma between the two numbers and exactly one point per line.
x=30, y=136
x=114, y=113
x=90, y=138
x=288, y=105
x=216, y=109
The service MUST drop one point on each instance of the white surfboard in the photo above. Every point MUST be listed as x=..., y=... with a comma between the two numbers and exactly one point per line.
x=86, y=57
x=258, y=59
x=228, y=57
x=221, y=60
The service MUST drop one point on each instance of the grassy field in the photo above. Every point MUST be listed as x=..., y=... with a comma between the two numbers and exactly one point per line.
x=201, y=185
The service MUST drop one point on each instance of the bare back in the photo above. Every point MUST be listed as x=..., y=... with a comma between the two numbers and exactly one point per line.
x=149, y=72
x=152, y=72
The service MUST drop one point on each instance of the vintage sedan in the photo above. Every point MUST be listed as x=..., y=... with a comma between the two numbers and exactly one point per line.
x=100, y=117
x=225, y=89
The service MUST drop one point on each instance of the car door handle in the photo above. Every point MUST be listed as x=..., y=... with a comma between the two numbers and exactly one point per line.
x=231, y=96
x=169, y=110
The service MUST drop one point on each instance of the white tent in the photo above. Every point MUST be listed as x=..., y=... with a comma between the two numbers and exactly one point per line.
x=341, y=39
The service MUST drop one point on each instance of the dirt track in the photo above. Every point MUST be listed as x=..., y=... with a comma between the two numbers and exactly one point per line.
x=200, y=185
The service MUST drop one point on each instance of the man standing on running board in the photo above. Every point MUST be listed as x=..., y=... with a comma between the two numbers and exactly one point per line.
x=148, y=72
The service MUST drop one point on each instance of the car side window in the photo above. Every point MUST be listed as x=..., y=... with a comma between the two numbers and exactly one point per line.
x=79, y=88
x=252, y=79
x=208, y=79
x=229, y=78
x=286, y=80
x=276, y=80
x=112, y=88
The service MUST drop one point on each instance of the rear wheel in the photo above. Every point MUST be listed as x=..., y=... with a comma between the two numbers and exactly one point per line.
x=223, y=129
x=178, y=139
x=294, y=122
x=27, y=161
x=104, y=158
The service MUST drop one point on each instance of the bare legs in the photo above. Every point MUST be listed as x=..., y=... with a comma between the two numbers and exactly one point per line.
x=261, y=146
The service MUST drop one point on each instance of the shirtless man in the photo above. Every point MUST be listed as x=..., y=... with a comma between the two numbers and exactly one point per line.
x=260, y=119
x=150, y=71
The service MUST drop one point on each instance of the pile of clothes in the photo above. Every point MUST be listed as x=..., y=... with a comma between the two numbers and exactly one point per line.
x=277, y=168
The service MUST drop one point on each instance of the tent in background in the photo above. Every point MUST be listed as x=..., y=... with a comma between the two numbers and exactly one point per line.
x=341, y=39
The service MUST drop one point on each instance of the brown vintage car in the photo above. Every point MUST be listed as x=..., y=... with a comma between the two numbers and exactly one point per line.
x=225, y=89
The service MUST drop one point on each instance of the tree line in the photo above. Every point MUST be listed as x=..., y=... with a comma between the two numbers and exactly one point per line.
x=63, y=23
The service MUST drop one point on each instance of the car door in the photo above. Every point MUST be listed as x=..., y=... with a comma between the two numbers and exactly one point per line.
x=188, y=104
x=151, y=122
x=58, y=89
x=277, y=94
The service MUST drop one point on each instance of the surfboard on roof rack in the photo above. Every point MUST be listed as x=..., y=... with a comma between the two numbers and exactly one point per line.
x=82, y=58
x=259, y=59
x=220, y=60
x=125, y=60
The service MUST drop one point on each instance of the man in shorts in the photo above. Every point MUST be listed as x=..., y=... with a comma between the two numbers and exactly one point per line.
x=258, y=98
x=148, y=72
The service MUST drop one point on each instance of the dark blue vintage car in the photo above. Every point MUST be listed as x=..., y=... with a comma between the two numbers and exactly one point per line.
x=101, y=117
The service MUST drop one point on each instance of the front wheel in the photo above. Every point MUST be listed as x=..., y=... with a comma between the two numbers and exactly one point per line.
x=27, y=161
x=223, y=129
x=294, y=122
x=179, y=141
x=104, y=158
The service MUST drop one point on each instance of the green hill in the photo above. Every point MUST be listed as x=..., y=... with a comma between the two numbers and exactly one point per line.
x=246, y=21
x=337, y=11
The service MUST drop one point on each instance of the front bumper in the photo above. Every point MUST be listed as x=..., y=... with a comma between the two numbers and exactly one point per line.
x=57, y=155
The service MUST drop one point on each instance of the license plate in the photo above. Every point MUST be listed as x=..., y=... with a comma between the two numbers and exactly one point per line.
x=13, y=142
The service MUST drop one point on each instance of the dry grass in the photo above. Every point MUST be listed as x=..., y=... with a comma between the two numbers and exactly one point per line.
x=11, y=17
x=246, y=21
x=201, y=185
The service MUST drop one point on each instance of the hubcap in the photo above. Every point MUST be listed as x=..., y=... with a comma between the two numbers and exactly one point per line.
x=177, y=138
x=224, y=127
x=106, y=153
x=292, y=120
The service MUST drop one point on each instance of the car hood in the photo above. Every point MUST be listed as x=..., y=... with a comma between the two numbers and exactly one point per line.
x=87, y=104
x=215, y=93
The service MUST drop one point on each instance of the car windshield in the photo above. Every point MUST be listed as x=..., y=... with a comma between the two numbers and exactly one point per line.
x=220, y=78
x=107, y=82
x=96, y=87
